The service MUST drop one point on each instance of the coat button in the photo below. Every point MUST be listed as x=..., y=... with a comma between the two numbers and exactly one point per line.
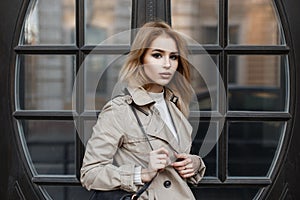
x=167, y=184
x=128, y=99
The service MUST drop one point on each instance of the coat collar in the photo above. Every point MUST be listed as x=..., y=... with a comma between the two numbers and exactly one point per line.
x=141, y=97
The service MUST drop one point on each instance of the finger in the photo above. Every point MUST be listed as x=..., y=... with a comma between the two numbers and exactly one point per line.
x=159, y=156
x=189, y=166
x=180, y=155
x=178, y=165
x=182, y=163
x=157, y=166
x=186, y=172
x=163, y=150
x=159, y=153
x=180, y=168
x=161, y=165
x=162, y=161
x=188, y=175
x=185, y=167
x=169, y=162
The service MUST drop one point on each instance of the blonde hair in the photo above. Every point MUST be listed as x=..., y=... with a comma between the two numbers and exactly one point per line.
x=132, y=71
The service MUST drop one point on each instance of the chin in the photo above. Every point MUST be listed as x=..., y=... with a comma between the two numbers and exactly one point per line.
x=163, y=83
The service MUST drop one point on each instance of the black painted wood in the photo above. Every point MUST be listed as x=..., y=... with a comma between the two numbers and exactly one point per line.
x=17, y=182
x=287, y=179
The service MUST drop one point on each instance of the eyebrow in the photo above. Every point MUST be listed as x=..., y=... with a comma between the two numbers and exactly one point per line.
x=162, y=51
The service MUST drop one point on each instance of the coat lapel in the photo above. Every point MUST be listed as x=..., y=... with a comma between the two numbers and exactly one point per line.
x=157, y=128
x=183, y=127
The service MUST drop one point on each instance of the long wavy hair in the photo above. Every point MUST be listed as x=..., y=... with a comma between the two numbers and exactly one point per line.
x=132, y=71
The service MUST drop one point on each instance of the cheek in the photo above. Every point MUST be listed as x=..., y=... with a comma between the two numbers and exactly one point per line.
x=150, y=65
x=150, y=61
x=150, y=69
x=174, y=65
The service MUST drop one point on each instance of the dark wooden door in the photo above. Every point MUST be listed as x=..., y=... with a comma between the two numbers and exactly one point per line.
x=27, y=169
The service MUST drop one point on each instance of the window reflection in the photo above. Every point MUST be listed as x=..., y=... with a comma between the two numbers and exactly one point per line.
x=46, y=82
x=51, y=145
x=196, y=18
x=252, y=22
x=252, y=147
x=257, y=83
x=88, y=129
x=101, y=75
x=49, y=22
x=255, y=21
x=205, y=80
x=53, y=22
x=200, y=138
x=106, y=18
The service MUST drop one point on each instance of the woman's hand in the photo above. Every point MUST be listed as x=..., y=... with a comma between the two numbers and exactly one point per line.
x=186, y=165
x=158, y=160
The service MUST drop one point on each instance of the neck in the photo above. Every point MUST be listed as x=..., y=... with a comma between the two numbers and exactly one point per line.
x=155, y=88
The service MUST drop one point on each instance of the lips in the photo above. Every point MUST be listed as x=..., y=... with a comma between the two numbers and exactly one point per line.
x=165, y=75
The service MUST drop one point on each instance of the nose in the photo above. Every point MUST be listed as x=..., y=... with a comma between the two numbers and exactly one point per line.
x=167, y=63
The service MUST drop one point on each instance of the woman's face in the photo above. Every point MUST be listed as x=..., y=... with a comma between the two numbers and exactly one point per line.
x=161, y=62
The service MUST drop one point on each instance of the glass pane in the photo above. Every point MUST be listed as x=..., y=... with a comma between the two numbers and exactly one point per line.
x=233, y=193
x=254, y=23
x=258, y=83
x=252, y=147
x=101, y=75
x=46, y=82
x=205, y=144
x=107, y=18
x=51, y=145
x=67, y=192
x=196, y=18
x=88, y=129
x=49, y=22
x=204, y=75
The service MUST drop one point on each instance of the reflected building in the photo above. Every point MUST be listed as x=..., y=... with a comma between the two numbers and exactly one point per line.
x=249, y=23
x=51, y=78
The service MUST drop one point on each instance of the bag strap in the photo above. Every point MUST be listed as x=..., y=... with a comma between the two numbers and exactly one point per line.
x=140, y=124
x=145, y=187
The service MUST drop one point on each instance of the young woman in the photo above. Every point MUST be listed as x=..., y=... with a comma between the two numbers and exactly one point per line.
x=118, y=155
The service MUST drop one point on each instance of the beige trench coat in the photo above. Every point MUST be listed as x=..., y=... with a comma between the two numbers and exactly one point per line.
x=118, y=145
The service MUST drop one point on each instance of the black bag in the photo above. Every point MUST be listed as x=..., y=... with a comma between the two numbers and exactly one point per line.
x=112, y=195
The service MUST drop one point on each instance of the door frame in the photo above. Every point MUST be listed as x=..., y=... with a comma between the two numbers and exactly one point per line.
x=16, y=183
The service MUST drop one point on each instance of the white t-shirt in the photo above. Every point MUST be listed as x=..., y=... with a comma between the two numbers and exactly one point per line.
x=161, y=105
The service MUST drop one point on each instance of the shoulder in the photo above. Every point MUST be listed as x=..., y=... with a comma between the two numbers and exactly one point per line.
x=122, y=100
x=117, y=104
x=111, y=117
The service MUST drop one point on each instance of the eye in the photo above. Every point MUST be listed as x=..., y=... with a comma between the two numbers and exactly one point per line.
x=174, y=57
x=157, y=55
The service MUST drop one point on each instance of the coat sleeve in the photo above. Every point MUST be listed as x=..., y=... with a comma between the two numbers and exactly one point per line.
x=194, y=180
x=98, y=171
